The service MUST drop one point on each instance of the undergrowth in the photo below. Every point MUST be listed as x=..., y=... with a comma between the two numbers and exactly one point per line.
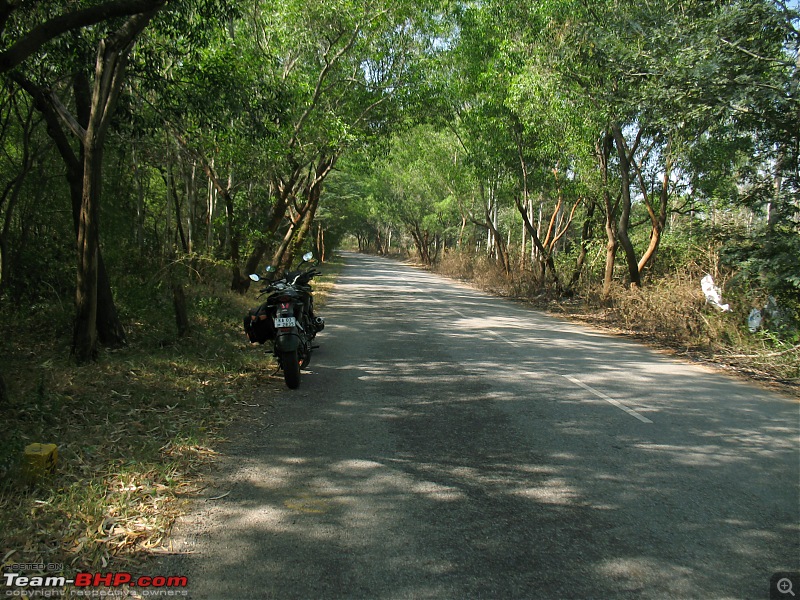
x=133, y=430
x=673, y=312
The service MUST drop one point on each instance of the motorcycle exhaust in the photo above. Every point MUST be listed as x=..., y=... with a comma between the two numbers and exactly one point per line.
x=319, y=323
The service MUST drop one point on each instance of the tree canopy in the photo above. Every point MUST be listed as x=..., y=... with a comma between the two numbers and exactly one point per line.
x=585, y=142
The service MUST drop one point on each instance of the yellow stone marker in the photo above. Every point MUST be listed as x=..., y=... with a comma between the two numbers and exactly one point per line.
x=40, y=460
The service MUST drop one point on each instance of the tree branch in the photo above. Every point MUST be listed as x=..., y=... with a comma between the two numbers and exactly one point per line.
x=67, y=117
x=783, y=63
x=41, y=34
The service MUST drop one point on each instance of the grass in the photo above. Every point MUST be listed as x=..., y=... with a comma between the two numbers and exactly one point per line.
x=134, y=430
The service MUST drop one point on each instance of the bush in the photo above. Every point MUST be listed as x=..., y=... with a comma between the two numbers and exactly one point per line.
x=672, y=309
x=455, y=264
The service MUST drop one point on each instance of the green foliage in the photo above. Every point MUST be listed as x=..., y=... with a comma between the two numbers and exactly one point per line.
x=770, y=262
x=434, y=114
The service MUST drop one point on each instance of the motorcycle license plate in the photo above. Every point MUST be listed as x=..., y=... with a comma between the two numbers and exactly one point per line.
x=285, y=321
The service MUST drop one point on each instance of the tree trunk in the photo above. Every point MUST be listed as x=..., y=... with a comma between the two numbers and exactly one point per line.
x=305, y=225
x=109, y=328
x=320, y=243
x=586, y=236
x=110, y=66
x=191, y=202
x=544, y=257
x=379, y=241
x=262, y=245
x=181, y=314
x=238, y=283
x=84, y=343
x=611, y=246
x=657, y=219
x=176, y=202
x=625, y=215
x=140, y=214
x=4, y=399
x=312, y=193
x=110, y=332
x=8, y=201
x=501, y=249
x=603, y=148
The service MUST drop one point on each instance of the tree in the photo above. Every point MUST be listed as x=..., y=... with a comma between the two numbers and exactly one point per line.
x=347, y=67
x=94, y=100
x=90, y=126
x=112, y=57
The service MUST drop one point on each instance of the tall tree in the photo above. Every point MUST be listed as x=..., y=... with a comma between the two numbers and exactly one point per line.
x=112, y=58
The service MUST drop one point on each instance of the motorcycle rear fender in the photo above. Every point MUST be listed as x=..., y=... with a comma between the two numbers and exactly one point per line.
x=287, y=342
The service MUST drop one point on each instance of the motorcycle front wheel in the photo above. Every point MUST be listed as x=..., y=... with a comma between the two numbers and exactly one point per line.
x=291, y=369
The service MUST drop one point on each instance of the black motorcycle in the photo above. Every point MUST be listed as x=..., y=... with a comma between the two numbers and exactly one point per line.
x=287, y=318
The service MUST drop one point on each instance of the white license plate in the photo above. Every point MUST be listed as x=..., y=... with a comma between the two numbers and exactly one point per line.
x=285, y=322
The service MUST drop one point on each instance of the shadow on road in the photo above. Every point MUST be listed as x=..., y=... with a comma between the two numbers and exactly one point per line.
x=439, y=449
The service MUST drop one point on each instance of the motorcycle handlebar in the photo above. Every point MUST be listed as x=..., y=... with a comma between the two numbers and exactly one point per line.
x=307, y=275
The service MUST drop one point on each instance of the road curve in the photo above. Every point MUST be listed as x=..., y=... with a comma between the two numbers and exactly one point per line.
x=449, y=444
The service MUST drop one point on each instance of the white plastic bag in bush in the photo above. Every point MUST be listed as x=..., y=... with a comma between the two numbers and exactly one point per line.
x=713, y=294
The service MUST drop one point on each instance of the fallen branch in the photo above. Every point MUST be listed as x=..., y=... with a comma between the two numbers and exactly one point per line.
x=221, y=496
x=770, y=355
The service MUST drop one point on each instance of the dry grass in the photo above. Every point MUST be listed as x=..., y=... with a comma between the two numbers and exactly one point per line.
x=457, y=265
x=673, y=310
x=672, y=313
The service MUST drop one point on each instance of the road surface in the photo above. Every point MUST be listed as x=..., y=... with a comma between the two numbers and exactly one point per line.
x=449, y=444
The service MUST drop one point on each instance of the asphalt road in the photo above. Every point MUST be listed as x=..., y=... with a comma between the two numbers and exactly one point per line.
x=449, y=444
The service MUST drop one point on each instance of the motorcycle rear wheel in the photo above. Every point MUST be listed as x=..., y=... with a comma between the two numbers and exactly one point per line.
x=304, y=354
x=291, y=369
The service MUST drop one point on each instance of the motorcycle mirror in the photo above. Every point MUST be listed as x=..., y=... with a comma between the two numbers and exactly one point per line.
x=308, y=256
x=269, y=269
x=254, y=277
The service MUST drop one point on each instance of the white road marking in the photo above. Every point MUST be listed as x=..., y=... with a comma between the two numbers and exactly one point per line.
x=608, y=399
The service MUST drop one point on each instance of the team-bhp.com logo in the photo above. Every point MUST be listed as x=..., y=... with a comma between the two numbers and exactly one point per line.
x=17, y=582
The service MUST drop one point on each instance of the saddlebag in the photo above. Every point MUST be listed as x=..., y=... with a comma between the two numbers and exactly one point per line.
x=258, y=326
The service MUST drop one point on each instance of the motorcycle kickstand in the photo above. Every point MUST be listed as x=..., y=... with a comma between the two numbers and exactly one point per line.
x=277, y=370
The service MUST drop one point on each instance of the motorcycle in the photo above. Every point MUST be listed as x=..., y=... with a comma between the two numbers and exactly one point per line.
x=286, y=318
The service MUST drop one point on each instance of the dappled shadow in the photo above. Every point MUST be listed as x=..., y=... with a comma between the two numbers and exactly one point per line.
x=440, y=447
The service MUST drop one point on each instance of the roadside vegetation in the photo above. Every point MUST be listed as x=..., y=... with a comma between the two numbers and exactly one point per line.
x=134, y=429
